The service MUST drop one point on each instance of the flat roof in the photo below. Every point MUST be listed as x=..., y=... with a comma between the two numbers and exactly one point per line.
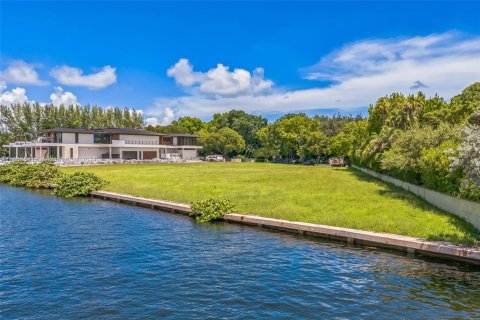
x=119, y=131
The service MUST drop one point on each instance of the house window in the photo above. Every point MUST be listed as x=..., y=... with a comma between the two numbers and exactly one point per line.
x=71, y=153
x=103, y=138
x=76, y=137
x=58, y=137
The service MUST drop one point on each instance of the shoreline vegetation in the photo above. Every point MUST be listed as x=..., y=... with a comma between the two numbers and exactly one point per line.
x=45, y=175
x=341, y=197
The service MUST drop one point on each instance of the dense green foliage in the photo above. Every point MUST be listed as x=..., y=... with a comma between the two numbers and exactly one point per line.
x=222, y=141
x=341, y=197
x=78, y=184
x=22, y=174
x=211, y=209
x=46, y=175
x=420, y=140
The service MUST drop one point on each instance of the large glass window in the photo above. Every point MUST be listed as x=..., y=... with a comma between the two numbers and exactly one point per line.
x=104, y=138
x=58, y=137
x=187, y=141
x=76, y=137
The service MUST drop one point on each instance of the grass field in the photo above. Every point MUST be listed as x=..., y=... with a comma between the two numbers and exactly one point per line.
x=331, y=196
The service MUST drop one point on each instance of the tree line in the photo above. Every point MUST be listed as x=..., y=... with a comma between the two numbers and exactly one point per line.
x=428, y=141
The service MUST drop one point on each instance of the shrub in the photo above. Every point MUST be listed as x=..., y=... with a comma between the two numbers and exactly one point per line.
x=21, y=174
x=211, y=209
x=78, y=184
x=12, y=172
x=435, y=169
x=42, y=175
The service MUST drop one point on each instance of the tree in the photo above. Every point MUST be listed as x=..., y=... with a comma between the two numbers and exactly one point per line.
x=245, y=124
x=223, y=141
x=270, y=145
x=468, y=159
x=465, y=104
x=403, y=158
x=189, y=125
x=317, y=144
x=293, y=131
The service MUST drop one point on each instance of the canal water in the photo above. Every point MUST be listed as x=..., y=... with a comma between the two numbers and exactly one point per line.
x=90, y=259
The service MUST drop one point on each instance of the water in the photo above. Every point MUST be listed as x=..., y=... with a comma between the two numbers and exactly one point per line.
x=89, y=259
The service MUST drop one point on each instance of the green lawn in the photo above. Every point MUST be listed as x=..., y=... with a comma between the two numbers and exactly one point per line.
x=331, y=196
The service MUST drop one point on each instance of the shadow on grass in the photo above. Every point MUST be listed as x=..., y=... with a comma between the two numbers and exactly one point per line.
x=471, y=235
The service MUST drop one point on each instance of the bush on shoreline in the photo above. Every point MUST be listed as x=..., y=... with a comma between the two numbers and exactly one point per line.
x=211, y=209
x=78, y=184
x=46, y=175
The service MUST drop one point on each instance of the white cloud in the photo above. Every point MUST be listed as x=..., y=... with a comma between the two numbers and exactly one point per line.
x=220, y=81
x=74, y=77
x=151, y=121
x=20, y=72
x=17, y=95
x=162, y=116
x=66, y=98
x=359, y=73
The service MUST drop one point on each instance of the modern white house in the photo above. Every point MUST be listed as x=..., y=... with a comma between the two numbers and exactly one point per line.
x=109, y=143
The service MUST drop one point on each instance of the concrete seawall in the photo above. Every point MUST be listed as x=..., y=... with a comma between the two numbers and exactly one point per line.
x=468, y=210
x=402, y=243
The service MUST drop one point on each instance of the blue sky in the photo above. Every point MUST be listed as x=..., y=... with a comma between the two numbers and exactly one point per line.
x=171, y=59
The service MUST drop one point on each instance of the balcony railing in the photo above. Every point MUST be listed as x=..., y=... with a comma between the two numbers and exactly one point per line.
x=141, y=142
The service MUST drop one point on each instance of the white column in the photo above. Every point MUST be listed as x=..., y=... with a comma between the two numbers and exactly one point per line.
x=31, y=153
x=109, y=152
x=58, y=152
x=16, y=152
x=121, y=153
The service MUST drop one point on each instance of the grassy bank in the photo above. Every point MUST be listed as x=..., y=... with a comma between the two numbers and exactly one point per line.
x=337, y=197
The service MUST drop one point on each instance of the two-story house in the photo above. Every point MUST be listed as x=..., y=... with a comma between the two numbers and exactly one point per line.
x=109, y=143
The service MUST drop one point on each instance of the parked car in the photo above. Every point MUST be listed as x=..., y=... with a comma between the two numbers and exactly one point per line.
x=215, y=158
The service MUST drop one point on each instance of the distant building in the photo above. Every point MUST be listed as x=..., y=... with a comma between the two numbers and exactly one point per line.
x=109, y=143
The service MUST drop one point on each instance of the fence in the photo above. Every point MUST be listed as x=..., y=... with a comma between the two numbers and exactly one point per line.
x=468, y=210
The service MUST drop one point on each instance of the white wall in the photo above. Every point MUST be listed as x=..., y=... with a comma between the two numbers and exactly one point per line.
x=468, y=210
x=189, y=154
x=85, y=138
x=68, y=137
x=132, y=137
x=84, y=152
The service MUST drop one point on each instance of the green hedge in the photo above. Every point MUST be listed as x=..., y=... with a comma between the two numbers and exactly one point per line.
x=46, y=175
x=78, y=184
x=211, y=209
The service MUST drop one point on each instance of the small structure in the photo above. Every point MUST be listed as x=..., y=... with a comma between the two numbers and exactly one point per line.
x=337, y=162
x=108, y=143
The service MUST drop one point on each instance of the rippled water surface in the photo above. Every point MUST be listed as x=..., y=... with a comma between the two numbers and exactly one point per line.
x=89, y=259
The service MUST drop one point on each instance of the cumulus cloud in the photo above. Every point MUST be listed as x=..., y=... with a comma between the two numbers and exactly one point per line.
x=14, y=96
x=152, y=121
x=220, y=81
x=74, y=77
x=60, y=97
x=161, y=115
x=358, y=73
x=20, y=72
